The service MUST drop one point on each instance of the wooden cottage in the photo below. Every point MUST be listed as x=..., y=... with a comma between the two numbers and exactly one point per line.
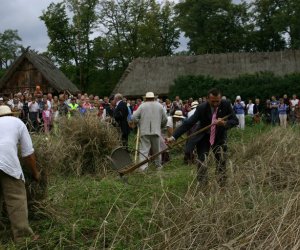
x=31, y=70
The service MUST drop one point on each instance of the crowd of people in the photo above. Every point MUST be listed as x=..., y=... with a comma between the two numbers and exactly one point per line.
x=40, y=111
x=159, y=123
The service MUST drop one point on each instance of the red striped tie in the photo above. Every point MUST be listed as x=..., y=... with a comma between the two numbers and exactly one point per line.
x=213, y=128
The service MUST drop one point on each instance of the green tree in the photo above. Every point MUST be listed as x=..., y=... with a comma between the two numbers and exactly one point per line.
x=70, y=39
x=9, y=47
x=213, y=26
x=139, y=28
x=269, y=31
x=287, y=20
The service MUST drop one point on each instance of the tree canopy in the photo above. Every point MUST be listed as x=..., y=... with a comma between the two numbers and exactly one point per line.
x=93, y=41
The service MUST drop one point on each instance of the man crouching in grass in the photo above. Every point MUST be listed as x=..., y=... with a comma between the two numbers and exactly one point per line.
x=12, y=181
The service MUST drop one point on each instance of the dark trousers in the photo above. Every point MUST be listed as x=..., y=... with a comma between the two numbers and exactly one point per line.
x=274, y=116
x=124, y=139
x=33, y=118
x=220, y=154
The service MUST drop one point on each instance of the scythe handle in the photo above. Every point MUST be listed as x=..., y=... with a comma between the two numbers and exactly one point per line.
x=152, y=157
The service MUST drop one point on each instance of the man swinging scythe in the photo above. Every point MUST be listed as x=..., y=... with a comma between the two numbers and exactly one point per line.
x=211, y=112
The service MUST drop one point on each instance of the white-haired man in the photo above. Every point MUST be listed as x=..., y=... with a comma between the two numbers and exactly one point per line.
x=150, y=117
x=121, y=115
x=239, y=109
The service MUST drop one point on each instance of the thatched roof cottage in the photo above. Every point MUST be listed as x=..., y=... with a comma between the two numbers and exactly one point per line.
x=158, y=74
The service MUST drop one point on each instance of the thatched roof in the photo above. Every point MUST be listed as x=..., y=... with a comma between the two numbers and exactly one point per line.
x=158, y=74
x=44, y=65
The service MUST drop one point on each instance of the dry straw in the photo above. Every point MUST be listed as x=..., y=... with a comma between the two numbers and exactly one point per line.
x=79, y=147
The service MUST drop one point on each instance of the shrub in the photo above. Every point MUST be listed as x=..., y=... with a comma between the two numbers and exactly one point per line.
x=261, y=85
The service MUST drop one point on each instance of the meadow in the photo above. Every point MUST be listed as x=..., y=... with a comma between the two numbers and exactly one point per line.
x=258, y=209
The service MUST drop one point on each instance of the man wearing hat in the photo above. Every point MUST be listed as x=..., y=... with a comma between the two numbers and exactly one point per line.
x=12, y=182
x=174, y=122
x=210, y=113
x=150, y=117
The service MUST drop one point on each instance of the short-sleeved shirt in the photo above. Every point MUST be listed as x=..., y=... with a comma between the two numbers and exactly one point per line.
x=14, y=132
x=33, y=107
x=170, y=123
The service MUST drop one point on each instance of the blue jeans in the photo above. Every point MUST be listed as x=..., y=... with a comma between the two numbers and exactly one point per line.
x=274, y=116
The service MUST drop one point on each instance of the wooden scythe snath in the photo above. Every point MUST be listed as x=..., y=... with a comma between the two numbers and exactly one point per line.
x=131, y=168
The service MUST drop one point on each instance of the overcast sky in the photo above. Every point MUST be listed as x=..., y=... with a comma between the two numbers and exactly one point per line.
x=23, y=15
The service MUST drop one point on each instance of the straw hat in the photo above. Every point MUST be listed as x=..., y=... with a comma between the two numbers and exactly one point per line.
x=194, y=105
x=149, y=95
x=5, y=110
x=178, y=114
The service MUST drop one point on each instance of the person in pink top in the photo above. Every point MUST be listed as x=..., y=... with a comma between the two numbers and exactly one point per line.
x=87, y=105
x=46, y=118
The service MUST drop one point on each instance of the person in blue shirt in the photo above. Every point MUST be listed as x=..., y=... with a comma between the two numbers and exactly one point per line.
x=82, y=110
x=274, y=110
x=282, y=111
x=239, y=109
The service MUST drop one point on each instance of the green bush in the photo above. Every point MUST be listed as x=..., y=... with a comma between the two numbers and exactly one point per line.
x=261, y=85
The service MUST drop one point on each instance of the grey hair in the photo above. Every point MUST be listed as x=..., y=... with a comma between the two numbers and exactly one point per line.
x=119, y=96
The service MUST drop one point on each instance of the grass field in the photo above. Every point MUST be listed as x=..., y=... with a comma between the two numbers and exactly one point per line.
x=259, y=209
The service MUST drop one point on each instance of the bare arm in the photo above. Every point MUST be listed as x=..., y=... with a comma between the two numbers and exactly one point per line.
x=30, y=162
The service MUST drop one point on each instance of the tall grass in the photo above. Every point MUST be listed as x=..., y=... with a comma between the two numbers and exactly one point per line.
x=258, y=209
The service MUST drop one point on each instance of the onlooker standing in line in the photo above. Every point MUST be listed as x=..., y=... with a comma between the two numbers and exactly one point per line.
x=47, y=115
x=239, y=109
x=294, y=102
x=121, y=116
x=250, y=107
x=282, y=111
x=34, y=113
x=62, y=107
x=257, y=111
x=274, y=110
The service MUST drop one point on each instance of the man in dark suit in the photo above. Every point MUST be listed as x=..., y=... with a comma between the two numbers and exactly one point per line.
x=214, y=138
x=121, y=115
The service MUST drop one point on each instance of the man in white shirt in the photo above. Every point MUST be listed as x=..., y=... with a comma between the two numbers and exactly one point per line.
x=174, y=122
x=34, y=112
x=12, y=181
x=250, y=107
x=294, y=103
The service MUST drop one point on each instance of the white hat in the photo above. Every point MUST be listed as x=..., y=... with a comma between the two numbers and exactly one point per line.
x=149, y=95
x=194, y=105
x=238, y=98
x=178, y=114
x=5, y=110
x=1, y=98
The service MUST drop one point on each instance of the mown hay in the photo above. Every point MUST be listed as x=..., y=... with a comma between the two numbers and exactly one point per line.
x=88, y=142
x=79, y=147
